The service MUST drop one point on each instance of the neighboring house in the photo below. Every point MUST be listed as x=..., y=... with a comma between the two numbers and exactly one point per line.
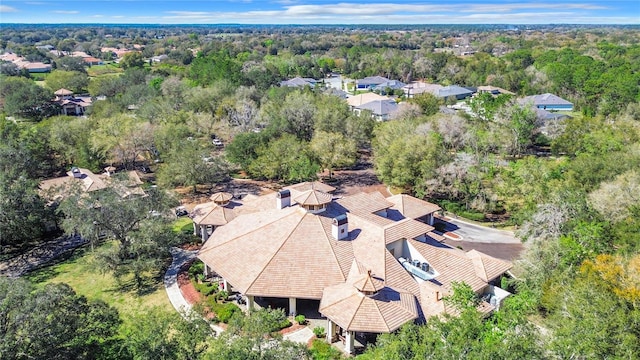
x=493, y=90
x=420, y=87
x=55, y=189
x=21, y=63
x=550, y=124
x=160, y=58
x=369, y=82
x=117, y=52
x=90, y=60
x=381, y=110
x=455, y=91
x=336, y=92
x=370, y=264
x=70, y=104
x=548, y=102
x=299, y=82
x=360, y=99
x=385, y=87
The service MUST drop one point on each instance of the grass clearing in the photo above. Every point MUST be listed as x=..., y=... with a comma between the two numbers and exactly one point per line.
x=79, y=272
x=182, y=225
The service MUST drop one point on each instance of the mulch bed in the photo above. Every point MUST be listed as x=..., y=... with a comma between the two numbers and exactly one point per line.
x=294, y=327
x=189, y=292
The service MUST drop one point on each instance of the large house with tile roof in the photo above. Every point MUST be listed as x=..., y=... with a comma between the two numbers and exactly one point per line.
x=371, y=263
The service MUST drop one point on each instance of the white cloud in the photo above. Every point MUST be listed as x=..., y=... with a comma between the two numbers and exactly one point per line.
x=7, y=9
x=66, y=11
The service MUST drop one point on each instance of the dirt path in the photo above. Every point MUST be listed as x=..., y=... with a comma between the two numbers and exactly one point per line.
x=39, y=256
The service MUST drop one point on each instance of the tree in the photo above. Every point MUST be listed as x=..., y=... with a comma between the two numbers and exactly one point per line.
x=595, y=314
x=333, y=150
x=243, y=149
x=70, y=139
x=404, y=158
x=71, y=63
x=72, y=80
x=159, y=334
x=255, y=337
x=285, y=158
x=122, y=139
x=429, y=104
x=52, y=322
x=136, y=224
x=132, y=59
x=295, y=115
x=24, y=98
x=190, y=165
x=518, y=125
x=22, y=211
x=616, y=199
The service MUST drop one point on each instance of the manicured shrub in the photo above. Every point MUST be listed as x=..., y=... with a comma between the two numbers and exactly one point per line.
x=319, y=332
x=300, y=319
x=196, y=268
x=224, y=311
x=321, y=350
x=205, y=288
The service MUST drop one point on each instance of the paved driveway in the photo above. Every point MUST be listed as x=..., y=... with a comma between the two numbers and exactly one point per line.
x=498, y=243
x=477, y=233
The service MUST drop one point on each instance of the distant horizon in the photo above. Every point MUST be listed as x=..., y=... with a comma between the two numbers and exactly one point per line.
x=321, y=12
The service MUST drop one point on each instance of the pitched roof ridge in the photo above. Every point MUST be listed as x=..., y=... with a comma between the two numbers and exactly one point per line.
x=384, y=320
x=237, y=237
x=335, y=256
x=353, y=316
x=275, y=252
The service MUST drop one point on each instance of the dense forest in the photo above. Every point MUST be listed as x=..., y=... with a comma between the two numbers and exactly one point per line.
x=570, y=191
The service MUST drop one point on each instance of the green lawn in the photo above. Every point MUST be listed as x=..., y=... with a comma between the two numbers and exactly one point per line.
x=183, y=225
x=78, y=271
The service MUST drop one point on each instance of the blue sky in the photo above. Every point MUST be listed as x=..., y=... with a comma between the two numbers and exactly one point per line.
x=321, y=11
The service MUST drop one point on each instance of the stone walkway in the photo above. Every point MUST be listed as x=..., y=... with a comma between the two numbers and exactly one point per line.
x=181, y=257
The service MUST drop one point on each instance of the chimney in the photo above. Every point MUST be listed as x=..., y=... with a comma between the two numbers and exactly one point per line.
x=76, y=172
x=283, y=199
x=340, y=227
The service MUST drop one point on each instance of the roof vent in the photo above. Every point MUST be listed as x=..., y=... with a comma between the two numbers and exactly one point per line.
x=340, y=227
x=283, y=199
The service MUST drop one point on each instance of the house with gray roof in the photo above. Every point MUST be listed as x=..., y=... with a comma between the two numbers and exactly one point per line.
x=458, y=92
x=299, y=82
x=548, y=102
x=381, y=110
x=369, y=82
x=384, y=87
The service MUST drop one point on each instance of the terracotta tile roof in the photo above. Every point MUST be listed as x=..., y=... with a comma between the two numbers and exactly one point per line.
x=412, y=207
x=221, y=197
x=63, y=92
x=453, y=264
x=315, y=185
x=212, y=214
x=296, y=259
x=382, y=312
x=363, y=203
x=290, y=252
x=488, y=267
x=91, y=182
x=406, y=228
x=313, y=197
